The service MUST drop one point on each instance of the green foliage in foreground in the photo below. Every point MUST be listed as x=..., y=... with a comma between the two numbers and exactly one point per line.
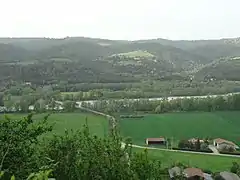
x=82, y=156
x=18, y=142
x=73, y=155
x=183, y=125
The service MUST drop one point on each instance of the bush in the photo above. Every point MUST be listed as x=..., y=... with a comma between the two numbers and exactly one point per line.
x=194, y=150
x=19, y=141
x=79, y=155
x=131, y=116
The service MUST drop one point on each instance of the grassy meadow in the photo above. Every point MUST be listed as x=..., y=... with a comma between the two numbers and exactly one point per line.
x=71, y=121
x=207, y=162
x=178, y=126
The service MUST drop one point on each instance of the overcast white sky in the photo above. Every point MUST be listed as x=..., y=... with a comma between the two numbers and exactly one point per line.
x=121, y=19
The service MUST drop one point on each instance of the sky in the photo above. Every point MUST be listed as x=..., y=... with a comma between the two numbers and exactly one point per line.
x=121, y=19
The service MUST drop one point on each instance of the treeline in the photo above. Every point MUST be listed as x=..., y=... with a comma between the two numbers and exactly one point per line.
x=219, y=103
x=145, y=89
x=153, y=88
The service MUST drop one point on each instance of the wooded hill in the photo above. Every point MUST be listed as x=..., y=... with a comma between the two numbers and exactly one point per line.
x=79, y=59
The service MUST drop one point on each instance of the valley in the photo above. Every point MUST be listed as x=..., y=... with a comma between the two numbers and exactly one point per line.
x=171, y=100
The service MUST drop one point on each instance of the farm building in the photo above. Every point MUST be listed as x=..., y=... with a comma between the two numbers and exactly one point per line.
x=193, y=173
x=220, y=143
x=159, y=141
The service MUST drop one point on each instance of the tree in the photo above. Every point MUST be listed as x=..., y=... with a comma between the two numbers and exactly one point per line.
x=198, y=145
x=184, y=144
x=159, y=108
x=69, y=106
x=19, y=139
x=24, y=104
x=9, y=104
x=27, y=91
x=1, y=99
x=235, y=168
x=52, y=104
x=164, y=106
x=15, y=91
x=40, y=106
x=78, y=96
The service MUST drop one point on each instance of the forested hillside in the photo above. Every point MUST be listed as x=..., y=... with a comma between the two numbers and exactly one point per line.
x=225, y=68
x=86, y=60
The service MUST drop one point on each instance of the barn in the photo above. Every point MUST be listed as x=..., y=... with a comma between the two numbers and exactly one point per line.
x=156, y=141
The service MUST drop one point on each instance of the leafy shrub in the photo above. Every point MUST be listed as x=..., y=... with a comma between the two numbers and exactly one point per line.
x=19, y=140
x=79, y=155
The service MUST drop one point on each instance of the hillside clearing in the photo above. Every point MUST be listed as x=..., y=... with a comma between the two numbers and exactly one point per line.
x=134, y=54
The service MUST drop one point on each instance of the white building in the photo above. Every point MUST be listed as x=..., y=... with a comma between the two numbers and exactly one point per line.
x=220, y=143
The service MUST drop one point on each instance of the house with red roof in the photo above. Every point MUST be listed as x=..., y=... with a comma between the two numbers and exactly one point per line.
x=194, y=173
x=189, y=173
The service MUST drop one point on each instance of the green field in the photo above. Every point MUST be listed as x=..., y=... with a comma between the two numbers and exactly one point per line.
x=62, y=121
x=210, y=162
x=178, y=126
x=134, y=54
x=131, y=127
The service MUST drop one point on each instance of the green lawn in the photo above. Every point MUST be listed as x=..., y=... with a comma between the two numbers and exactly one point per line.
x=183, y=125
x=97, y=124
x=213, y=163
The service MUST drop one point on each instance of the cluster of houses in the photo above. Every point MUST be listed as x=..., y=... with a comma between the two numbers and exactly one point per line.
x=218, y=143
x=198, y=174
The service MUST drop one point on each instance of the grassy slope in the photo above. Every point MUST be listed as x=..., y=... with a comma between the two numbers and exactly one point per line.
x=74, y=121
x=139, y=53
x=213, y=163
x=183, y=125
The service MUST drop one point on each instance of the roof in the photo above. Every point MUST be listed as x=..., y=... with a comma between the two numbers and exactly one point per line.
x=220, y=141
x=175, y=171
x=229, y=176
x=191, y=172
x=207, y=176
x=156, y=139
